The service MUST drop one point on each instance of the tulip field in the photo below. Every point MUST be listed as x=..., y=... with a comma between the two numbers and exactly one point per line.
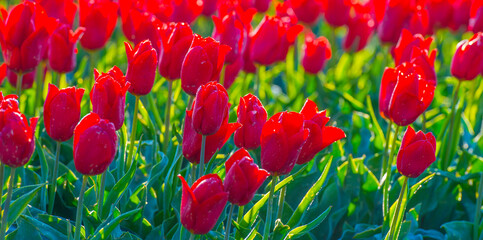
x=241, y=119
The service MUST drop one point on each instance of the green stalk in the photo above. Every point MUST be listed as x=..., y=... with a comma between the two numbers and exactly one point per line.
x=240, y=215
x=192, y=236
x=385, y=199
x=222, y=74
x=446, y=157
x=193, y=174
x=476, y=222
x=228, y=222
x=281, y=201
x=133, y=134
x=100, y=200
x=80, y=203
x=53, y=180
x=19, y=84
x=386, y=148
x=167, y=116
x=268, y=219
x=3, y=228
x=202, y=156
x=39, y=77
x=394, y=223
x=424, y=122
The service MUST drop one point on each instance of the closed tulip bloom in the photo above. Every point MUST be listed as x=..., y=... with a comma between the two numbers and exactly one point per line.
x=424, y=61
x=62, y=112
x=320, y=135
x=203, y=63
x=307, y=11
x=202, y=203
x=261, y=5
x=476, y=16
x=440, y=13
x=62, y=48
x=407, y=41
x=64, y=10
x=316, y=51
x=396, y=15
x=99, y=18
x=336, y=12
x=243, y=178
x=417, y=153
x=361, y=26
x=141, y=67
x=210, y=7
x=184, y=10
x=9, y=101
x=108, y=96
x=461, y=14
x=418, y=22
x=210, y=108
x=467, y=61
x=405, y=94
x=282, y=139
x=95, y=145
x=28, y=79
x=17, y=138
x=231, y=72
x=192, y=140
x=23, y=36
x=175, y=46
x=252, y=116
x=248, y=65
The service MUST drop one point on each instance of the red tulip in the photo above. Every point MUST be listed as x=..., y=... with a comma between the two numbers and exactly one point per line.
x=262, y=5
x=403, y=50
x=320, y=135
x=210, y=7
x=316, y=52
x=108, y=96
x=99, y=18
x=202, y=64
x=3, y=72
x=28, y=79
x=23, y=36
x=177, y=10
x=419, y=21
x=282, y=139
x=175, y=47
x=468, y=59
x=231, y=72
x=248, y=65
x=64, y=10
x=476, y=16
x=336, y=12
x=271, y=40
x=424, y=60
x=286, y=13
x=192, y=140
x=62, y=112
x=405, y=93
x=16, y=136
x=461, y=14
x=361, y=26
x=395, y=18
x=252, y=116
x=210, y=108
x=417, y=153
x=9, y=101
x=202, y=203
x=440, y=13
x=141, y=67
x=307, y=11
x=243, y=178
x=95, y=144
x=62, y=48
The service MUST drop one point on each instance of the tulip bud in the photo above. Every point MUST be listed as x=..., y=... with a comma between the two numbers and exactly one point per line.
x=108, y=96
x=418, y=23
x=28, y=79
x=202, y=63
x=461, y=14
x=336, y=12
x=64, y=10
x=192, y=140
x=262, y=5
x=210, y=7
x=141, y=67
x=282, y=139
x=467, y=61
x=395, y=18
x=476, y=17
x=62, y=48
x=252, y=116
x=417, y=153
x=176, y=10
x=405, y=93
x=320, y=135
x=202, y=203
x=361, y=26
x=210, y=108
x=231, y=72
x=16, y=136
x=23, y=36
x=62, y=112
x=175, y=46
x=307, y=11
x=95, y=144
x=440, y=13
x=248, y=65
x=316, y=52
x=243, y=178
x=99, y=18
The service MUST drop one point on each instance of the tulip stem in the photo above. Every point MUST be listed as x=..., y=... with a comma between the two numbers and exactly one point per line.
x=385, y=198
x=19, y=84
x=167, y=116
x=100, y=201
x=268, y=219
x=222, y=75
x=392, y=230
x=53, y=180
x=240, y=215
x=80, y=203
x=476, y=222
x=386, y=148
x=3, y=228
x=447, y=157
x=192, y=236
x=281, y=201
x=193, y=174
x=39, y=77
x=202, y=156
x=133, y=133
x=228, y=222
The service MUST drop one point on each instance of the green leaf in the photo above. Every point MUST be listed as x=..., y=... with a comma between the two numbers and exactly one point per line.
x=253, y=233
x=31, y=224
x=19, y=205
x=368, y=233
x=309, y=197
x=458, y=230
x=44, y=169
x=418, y=185
x=105, y=229
x=300, y=231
